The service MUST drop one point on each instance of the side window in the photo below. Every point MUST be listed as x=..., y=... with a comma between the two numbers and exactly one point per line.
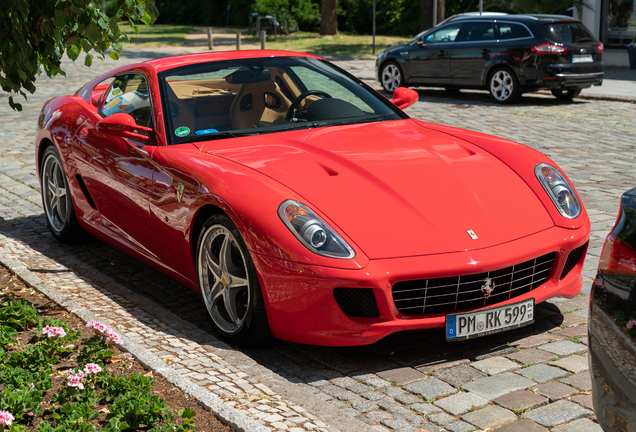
x=512, y=31
x=478, y=31
x=446, y=34
x=128, y=94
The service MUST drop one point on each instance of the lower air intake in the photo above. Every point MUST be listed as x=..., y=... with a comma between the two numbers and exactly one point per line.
x=357, y=302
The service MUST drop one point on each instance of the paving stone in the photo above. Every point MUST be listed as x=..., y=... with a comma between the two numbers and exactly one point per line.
x=374, y=395
x=556, y=413
x=461, y=403
x=542, y=373
x=495, y=365
x=580, y=330
x=584, y=400
x=441, y=419
x=395, y=423
x=459, y=375
x=378, y=415
x=364, y=406
x=497, y=385
x=377, y=382
x=394, y=391
x=555, y=390
x=408, y=399
x=521, y=399
x=574, y=363
x=523, y=425
x=386, y=403
x=402, y=376
x=345, y=396
x=535, y=340
x=441, y=362
x=581, y=425
x=563, y=348
x=489, y=417
x=424, y=408
x=459, y=426
x=530, y=356
x=431, y=388
x=581, y=381
x=486, y=352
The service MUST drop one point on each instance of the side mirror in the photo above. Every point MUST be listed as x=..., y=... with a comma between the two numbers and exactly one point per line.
x=124, y=126
x=404, y=97
x=421, y=43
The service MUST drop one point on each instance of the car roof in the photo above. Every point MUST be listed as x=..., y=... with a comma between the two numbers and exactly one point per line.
x=542, y=18
x=165, y=63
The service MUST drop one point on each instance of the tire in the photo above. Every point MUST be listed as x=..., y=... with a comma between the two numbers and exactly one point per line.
x=56, y=197
x=228, y=284
x=504, y=86
x=391, y=77
x=566, y=94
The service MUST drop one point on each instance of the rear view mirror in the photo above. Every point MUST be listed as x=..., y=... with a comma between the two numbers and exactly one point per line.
x=404, y=97
x=123, y=125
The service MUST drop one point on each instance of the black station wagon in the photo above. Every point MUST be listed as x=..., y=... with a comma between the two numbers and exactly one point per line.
x=505, y=54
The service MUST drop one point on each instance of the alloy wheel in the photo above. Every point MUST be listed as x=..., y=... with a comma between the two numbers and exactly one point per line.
x=502, y=85
x=55, y=193
x=224, y=279
x=391, y=77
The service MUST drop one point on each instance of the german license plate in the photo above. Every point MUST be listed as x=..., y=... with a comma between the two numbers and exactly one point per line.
x=470, y=325
x=582, y=58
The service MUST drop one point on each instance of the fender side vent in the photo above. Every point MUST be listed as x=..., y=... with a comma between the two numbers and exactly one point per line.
x=357, y=302
x=573, y=258
x=87, y=195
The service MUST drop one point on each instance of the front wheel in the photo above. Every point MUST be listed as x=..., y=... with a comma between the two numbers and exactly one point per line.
x=57, y=200
x=566, y=94
x=229, y=285
x=504, y=86
x=391, y=77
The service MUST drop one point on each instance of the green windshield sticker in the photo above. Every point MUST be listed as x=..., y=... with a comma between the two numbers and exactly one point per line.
x=182, y=131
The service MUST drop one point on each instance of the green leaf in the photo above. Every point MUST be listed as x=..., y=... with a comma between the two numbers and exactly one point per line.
x=91, y=32
x=114, y=55
x=88, y=61
x=60, y=17
x=187, y=413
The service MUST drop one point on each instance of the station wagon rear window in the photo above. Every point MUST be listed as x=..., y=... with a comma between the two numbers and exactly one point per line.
x=566, y=32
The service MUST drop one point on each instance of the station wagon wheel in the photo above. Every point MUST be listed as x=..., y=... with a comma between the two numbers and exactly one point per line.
x=566, y=94
x=229, y=285
x=504, y=86
x=57, y=200
x=391, y=77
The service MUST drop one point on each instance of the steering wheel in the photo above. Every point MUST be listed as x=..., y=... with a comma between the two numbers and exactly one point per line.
x=299, y=99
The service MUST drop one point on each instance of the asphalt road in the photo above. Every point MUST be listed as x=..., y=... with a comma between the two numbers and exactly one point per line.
x=534, y=378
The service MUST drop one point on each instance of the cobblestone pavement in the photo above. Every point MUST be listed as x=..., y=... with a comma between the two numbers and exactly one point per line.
x=534, y=378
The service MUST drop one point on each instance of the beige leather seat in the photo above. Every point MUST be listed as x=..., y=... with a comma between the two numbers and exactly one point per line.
x=184, y=116
x=249, y=105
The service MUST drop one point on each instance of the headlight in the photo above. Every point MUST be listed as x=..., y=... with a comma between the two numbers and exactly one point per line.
x=312, y=232
x=559, y=190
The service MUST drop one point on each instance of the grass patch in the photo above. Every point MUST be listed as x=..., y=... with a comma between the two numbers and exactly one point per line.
x=155, y=35
x=354, y=46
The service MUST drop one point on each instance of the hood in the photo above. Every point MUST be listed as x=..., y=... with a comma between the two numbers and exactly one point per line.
x=396, y=188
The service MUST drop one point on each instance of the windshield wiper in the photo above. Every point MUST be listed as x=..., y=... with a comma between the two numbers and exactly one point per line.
x=585, y=39
x=215, y=136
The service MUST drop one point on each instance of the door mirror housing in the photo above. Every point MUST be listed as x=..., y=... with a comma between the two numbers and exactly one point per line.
x=404, y=97
x=123, y=125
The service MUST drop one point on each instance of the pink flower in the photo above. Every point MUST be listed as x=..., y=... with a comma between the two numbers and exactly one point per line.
x=75, y=379
x=114, y=337
x=631, y=323
x=53, y=331
x=6, y=418
x=92, y=368
x=129, y=356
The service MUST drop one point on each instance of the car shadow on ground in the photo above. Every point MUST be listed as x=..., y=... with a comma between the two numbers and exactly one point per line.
x=422, y=351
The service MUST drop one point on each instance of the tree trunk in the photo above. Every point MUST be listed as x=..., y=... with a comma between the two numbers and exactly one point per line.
x=426, y=13
x=329, y=18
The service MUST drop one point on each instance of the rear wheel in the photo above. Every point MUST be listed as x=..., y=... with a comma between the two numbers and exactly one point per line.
x=229, y=285
x=504, y=86
x=566, y=94
x=391, y=77
x=57, y=200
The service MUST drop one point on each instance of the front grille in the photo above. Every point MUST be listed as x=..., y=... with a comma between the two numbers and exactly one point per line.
x=357, y=302
x=573, y=258
x=458, y=293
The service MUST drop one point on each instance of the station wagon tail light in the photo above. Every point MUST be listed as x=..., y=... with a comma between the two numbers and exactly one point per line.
x=600, y=47
x=548, y=49
x=312, y=231
x=617, y=257
x=559, y=190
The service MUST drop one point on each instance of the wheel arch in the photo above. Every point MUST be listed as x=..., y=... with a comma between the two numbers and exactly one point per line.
x=203, y=214
x=496, y=66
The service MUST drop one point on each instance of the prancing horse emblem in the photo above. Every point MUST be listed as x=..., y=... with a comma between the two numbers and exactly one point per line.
x=180, y=192
x=488, y=287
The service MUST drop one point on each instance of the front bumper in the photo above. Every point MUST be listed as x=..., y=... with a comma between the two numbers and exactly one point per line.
x=301, y=306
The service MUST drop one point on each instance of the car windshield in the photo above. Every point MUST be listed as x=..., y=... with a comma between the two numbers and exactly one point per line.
x=263, y=95
x=566, y=32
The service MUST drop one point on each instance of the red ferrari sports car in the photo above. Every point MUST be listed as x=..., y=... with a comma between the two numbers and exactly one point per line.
x=303, y=204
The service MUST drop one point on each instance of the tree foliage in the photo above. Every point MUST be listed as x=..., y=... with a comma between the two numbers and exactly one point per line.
x=532, y=6
x=37, y=33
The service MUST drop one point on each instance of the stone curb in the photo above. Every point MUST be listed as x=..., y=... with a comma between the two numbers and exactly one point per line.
x=225, y=413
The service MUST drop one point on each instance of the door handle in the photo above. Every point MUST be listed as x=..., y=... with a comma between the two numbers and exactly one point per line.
x=442, y=53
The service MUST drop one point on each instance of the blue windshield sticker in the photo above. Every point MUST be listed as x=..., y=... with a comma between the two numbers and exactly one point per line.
x=206, y=132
